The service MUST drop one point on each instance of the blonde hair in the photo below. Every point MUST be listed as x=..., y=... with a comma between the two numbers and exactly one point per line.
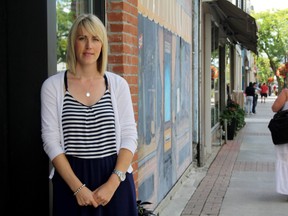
x=94, y=26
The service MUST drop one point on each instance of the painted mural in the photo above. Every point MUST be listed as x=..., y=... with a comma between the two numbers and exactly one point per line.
x=165, y=118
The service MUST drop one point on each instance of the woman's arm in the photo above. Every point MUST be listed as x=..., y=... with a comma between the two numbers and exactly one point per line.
x=128, y=141
x=83, y=195
x=280, y=100
x=63, y=167
x=52, y=142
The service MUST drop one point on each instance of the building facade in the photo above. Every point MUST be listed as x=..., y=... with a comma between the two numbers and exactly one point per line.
x=178, y=57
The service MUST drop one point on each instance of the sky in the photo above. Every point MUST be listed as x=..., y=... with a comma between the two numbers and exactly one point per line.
x=262, y=5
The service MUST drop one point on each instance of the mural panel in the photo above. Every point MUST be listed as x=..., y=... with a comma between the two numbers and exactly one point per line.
x=165, y=144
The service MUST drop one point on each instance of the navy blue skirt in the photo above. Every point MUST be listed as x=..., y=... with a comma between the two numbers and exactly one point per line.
x=94, y=172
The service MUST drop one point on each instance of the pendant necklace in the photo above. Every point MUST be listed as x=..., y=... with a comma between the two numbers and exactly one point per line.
x=88, y=90
x=88, y=93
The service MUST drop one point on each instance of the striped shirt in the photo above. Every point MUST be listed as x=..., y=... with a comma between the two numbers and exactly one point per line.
x=89, y=131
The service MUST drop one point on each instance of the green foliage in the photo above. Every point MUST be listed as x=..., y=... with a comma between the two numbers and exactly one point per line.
x=240, y=118
x=233, y=111
x=272, y=41
x=264, y=69
x=142, y=211
x=272, y=34
x=65, y=17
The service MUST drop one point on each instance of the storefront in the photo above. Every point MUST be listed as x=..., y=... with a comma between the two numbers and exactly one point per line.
x=230, y=39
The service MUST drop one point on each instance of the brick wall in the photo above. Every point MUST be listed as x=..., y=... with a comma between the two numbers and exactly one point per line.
x=122, y=28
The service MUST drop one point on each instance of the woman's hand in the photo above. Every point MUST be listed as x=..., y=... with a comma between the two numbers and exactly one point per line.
x=85, y=197
x=103, y=194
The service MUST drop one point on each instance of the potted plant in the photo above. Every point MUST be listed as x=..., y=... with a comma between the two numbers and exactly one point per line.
x=235, y=116
x=228, y=115
x=240, y=118
x=142, y=210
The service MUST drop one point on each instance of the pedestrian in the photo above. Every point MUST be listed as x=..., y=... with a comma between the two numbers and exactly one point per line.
x=88, y=129
x=264, y=92
x=250, y=93
x=281, y=166
x=255, y=98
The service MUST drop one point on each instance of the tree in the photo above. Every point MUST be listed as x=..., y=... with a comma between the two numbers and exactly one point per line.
x=65, y=17
x=264, y=70
x=272, y=39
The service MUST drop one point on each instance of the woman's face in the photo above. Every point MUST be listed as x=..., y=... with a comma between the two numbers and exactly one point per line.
x=87, y=47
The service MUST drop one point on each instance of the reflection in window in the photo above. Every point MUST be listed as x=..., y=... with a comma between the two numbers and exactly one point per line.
x=67, y=11
x=227, y=70
x=214, y=68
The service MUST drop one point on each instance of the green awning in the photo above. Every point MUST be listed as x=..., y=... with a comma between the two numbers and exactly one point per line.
x=238, y=25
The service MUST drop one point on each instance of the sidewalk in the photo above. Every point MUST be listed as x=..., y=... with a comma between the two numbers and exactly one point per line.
x=240, y=179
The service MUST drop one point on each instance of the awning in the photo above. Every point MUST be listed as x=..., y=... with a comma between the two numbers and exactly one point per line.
x=239, y=26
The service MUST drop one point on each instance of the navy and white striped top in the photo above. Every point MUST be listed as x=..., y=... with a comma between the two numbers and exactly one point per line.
x=89, y=131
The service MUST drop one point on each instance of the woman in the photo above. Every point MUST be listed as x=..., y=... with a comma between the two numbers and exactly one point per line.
x=88, y=129
x=281, y=103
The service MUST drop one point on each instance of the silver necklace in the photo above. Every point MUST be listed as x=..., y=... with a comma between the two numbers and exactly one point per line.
x=88, y=94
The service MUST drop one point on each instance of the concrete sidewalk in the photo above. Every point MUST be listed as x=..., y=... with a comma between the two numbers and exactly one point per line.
x=239, y=181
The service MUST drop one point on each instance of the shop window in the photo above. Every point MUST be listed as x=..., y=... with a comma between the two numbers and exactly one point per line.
x=214, y=68
x=227, y=71
x=67, y=11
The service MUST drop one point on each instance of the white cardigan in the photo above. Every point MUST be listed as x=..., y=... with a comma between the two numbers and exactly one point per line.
x=52, y=95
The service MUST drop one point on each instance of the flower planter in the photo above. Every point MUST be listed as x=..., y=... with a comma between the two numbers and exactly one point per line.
x=235, y=117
